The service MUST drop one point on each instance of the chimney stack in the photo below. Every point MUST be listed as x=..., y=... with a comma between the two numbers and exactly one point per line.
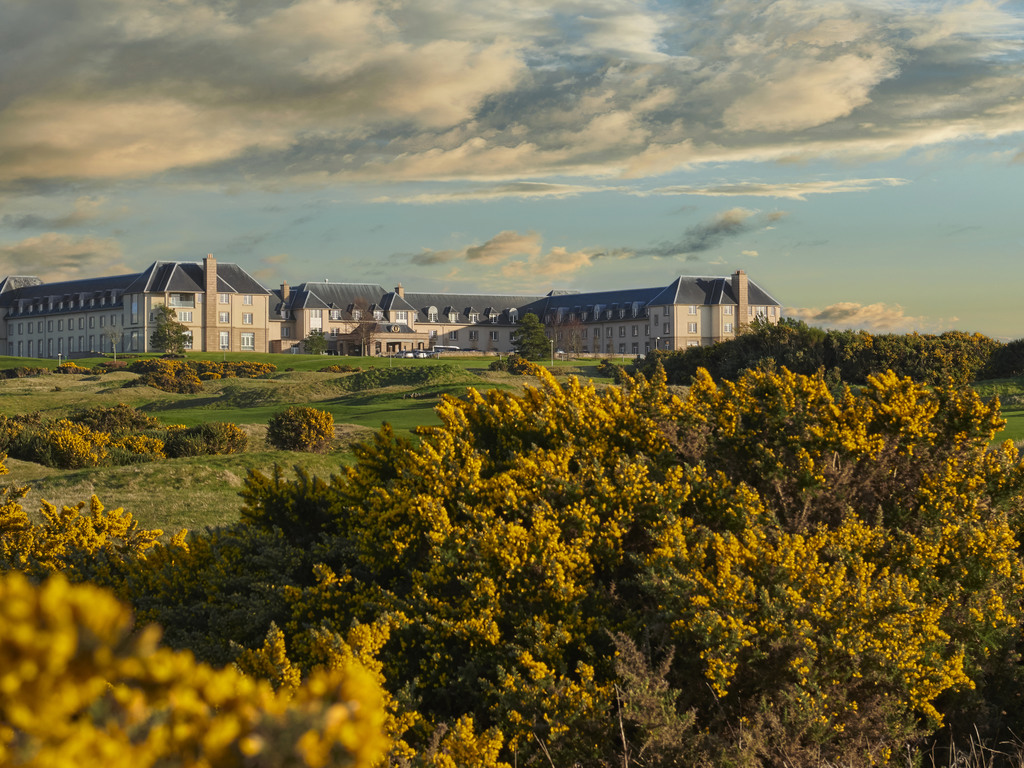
x=285, y=292
x=211, y=337
x=739, y=289
x=400, y=290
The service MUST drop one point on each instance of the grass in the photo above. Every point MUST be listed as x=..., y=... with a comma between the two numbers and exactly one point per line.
x=170, y=495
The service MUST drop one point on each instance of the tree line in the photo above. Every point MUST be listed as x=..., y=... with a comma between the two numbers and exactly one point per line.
x=848, y=356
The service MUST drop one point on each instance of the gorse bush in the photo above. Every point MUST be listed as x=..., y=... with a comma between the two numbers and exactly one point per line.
x=169, y=375
x=770, y=572
x=516, y=365
x=213, y=438
x=117, y=419
x=80, y=686
x=301, y=429
x=804, y=578
x=186, y=376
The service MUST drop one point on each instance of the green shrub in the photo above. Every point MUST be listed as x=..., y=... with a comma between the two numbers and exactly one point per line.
x=116, y=420
x=498, y=365
x=169, y=375
x=301, y=429
x=215, y=438
x=21, y=372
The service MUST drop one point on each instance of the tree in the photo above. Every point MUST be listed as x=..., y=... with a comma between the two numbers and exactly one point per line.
x=531, y=341
x=169, y=335
x=115, y=335
x=315, y=343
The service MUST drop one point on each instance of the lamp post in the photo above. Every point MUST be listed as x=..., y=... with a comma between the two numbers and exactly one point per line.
x=657, y=342
x=552, y=342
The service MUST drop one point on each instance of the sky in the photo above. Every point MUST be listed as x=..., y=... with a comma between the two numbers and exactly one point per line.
x=861, y=161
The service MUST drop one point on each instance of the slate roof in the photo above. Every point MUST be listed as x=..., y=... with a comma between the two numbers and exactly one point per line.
x=189, y=277
x=92, y=287
x=464, y=303
x=683, y=290
x=327, y=295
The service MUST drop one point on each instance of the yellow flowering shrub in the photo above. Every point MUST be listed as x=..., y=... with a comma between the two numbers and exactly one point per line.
x=65, y=532
x=300, y=428
x=78, y=688
x=826, y=577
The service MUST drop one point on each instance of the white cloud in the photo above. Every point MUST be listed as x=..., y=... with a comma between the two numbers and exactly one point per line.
x=798, y=190
x=314, y=91
x=55, y=257
x=875, y=318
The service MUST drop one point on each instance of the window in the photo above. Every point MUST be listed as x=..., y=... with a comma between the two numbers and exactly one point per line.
x=622, y=330
x=286, y=332
x=494, y=335
x=636, y=348
x=134, y=340
x=92, y=321
x=453, y=335
x=474, y=317
x=402, y=316
x=357, y=314
x=224, y=317
x=666, y=328
x=49, y=326
x=583, y=333
x=691, y=327
x=622, y=349
x=727, y=311
x=636, y=330
x=188, y=339
x=92, y=343
x=225, y=339
x=247, y=318
x=135, y=311
x=81, y=324
x=608, y=331
x=513, y=315
x=185, y=317
x=224, y=298
x=693, y=343
x=247, y=300
x=248, y=341
x=336, y=314
x=771, y=311
x=433, y=335
x=102, y=321
x=728, y=327
x=474, y=335
x=647, y=330
x=431, y=314
x=39, y=329
x=60, y=324
x=655, y=319
x=182, y=300
x=692, y=309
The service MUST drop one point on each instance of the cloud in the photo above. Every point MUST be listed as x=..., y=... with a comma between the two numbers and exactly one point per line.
x=513, y=259
x=797, y=190
x=875, y=318
x=85, y=209
x=320, y=91
x=56, y=257
x=516, y=189
x=708, y=235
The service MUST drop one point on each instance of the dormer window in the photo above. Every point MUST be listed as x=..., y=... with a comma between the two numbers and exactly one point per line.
x=357, y=315
x=402, y=316
x=513, y=315
x=474, y=317
x=378, y=314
